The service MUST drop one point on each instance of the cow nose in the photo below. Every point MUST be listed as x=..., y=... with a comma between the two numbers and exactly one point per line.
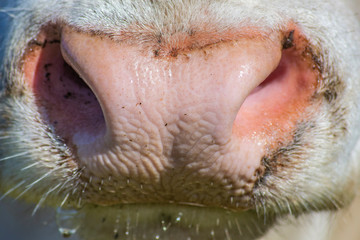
x=170, y=121
x=201, y=88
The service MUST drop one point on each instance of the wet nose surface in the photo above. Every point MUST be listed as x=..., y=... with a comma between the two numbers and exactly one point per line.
x=190, y=127
x=176, y=110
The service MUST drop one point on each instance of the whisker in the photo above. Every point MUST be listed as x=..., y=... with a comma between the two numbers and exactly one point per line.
x=44, y=198
x=10, y=143
x=28, y=187
x=288, y=207
x=12, y=189
x=65, y=199
x=14, y=133
x=30, y=166
x=238, y=227
x=227, y=234
x=15, y=156
x=41, y=178
x=10, y=11
x=72, y=178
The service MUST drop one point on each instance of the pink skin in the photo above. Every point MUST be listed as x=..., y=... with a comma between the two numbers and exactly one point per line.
x=201, y=111
x=197, y=84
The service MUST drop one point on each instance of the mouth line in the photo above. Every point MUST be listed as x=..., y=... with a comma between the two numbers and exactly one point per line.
x=145, y=221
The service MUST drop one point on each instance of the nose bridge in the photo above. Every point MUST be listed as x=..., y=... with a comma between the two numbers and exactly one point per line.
x=193, y=93
x=173, y=105
x=201, y=91
x=188, y=85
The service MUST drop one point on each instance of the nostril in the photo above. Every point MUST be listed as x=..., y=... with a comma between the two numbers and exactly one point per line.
x=278, y=103
x=66, y=101
x=274, y=78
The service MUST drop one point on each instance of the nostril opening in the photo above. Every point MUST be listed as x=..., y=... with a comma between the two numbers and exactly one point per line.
x=275, y=77
x=277, y=104
x=66, y=102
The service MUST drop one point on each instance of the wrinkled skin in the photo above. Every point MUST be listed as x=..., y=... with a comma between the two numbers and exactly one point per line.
x=184, y=119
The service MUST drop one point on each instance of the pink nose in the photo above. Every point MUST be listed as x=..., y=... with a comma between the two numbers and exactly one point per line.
x=167, y=103
x=159, y=119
